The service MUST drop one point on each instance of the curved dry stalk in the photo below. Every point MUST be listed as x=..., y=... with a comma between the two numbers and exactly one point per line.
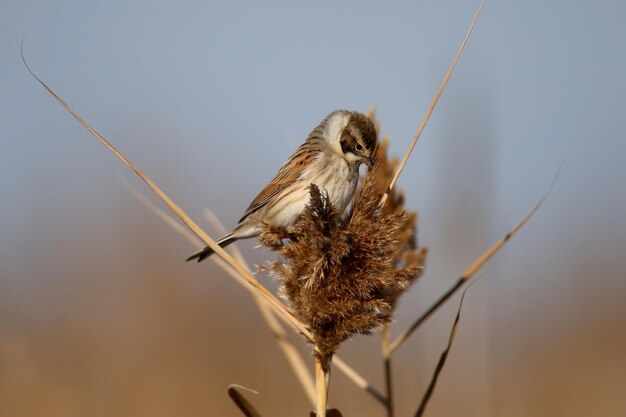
x=294, y=359
x=430, y=109
x=359, y=380
x=253, y=285
x=475, y=266
x=289, y=350
x=443, y=357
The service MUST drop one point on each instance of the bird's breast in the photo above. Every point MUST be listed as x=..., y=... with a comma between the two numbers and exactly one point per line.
x=332, y=175
x=338, y=178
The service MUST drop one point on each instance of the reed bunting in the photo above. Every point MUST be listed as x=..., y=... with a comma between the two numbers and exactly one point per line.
x=329, y=158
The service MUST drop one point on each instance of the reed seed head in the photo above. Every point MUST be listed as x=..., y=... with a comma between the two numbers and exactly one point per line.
x=344, y=277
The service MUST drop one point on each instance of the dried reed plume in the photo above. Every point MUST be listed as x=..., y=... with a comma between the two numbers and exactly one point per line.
x=342, y=277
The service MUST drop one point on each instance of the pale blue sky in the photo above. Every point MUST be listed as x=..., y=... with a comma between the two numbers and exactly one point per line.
x=209, y=98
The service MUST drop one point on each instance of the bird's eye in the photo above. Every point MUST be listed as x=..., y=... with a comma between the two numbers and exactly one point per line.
x=359, y=147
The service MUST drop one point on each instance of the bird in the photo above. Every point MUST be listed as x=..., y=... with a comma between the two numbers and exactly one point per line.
x=329, y=158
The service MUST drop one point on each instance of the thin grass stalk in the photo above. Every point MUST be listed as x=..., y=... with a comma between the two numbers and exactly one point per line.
x=443, y=357
x=358, y=380
x=398, y=341
x=385, y=338
x=289, y=350
x=292, y=355
x=470, y=271
x=294, y=359
x=253, y=284
x=430, y=109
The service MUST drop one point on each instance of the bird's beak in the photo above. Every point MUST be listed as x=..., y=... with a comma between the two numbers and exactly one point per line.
x=368, y=161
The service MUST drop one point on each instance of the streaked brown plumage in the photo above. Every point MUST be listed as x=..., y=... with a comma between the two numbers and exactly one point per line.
x=329, y=158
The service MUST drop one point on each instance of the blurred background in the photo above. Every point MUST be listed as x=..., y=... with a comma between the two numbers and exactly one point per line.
x=101, y=316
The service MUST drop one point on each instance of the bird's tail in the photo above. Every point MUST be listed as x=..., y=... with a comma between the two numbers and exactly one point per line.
x=206, y=252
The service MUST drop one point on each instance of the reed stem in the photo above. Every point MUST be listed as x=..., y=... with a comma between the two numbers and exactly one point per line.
x=322, y=379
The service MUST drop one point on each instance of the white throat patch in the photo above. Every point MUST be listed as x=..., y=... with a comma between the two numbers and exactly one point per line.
x=335, y=127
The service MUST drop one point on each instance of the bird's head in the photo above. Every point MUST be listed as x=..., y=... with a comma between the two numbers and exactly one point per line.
x=353, y=135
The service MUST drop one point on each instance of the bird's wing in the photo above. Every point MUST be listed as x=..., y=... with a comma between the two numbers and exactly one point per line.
x=288, y=174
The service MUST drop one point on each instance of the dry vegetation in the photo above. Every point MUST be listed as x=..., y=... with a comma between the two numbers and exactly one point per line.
x=339, y=276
